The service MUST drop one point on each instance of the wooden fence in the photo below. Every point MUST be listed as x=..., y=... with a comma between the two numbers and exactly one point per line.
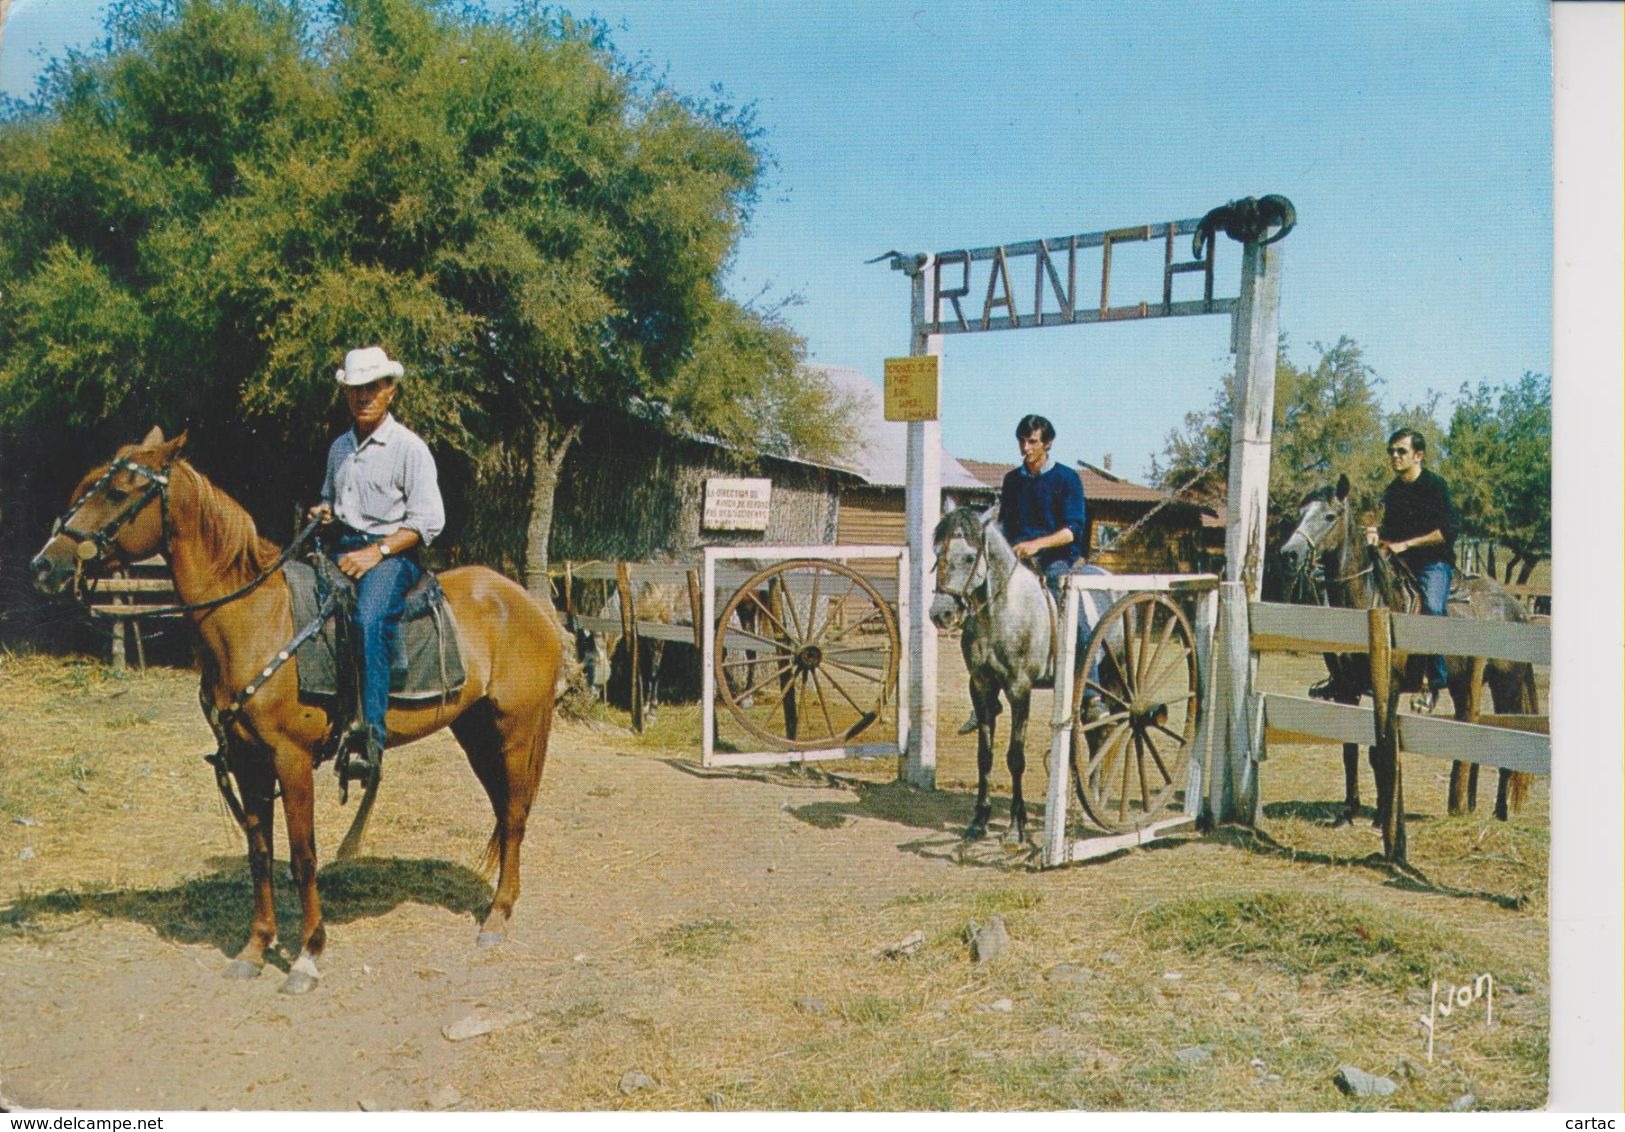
x=127, y=597
x=1507, y=742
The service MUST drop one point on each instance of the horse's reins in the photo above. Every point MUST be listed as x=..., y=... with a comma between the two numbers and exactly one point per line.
x=1321, y=590
x=92, y=546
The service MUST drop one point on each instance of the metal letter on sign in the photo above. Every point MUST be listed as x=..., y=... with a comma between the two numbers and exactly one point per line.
x=912, y=388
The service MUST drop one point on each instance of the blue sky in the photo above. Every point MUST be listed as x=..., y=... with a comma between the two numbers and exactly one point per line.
x=1414, y=139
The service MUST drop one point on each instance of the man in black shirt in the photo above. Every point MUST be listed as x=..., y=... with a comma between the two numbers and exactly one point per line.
x=1419, y=524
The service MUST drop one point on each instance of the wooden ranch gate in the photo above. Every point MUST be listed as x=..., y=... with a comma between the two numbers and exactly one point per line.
x=943, y=278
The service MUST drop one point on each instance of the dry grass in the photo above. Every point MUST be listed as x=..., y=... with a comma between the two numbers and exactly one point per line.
x=1284, y=954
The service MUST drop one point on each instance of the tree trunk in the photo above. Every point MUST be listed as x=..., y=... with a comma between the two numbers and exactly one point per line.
x=1527, y=569
x=548, y=449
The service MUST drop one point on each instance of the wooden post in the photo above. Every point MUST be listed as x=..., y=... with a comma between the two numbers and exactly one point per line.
x=1196, y=802
x=776, y=597
x=1256, y=331
x=1385, y=704
x=696, y=609
x=118, y=660
x=923, y=507
x=1464, y=776
x=629, y=632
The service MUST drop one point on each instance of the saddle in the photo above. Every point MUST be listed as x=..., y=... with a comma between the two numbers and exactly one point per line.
x=427, y=665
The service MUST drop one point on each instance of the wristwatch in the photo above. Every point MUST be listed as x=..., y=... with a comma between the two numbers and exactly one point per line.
x=383, y=548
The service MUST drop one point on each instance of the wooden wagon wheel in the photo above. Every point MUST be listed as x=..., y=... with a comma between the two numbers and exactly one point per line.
x=825, y=644
x=1129, y=760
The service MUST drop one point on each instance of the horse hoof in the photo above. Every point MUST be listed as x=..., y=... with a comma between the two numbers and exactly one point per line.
x=490, y=938
x=975, y=831
x=241, y=969
x=298, y=982
x=1014, y=837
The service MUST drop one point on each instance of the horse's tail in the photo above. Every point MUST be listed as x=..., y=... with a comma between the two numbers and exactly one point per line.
x=1519, y=782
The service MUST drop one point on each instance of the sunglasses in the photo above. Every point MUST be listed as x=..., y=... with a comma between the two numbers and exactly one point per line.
x=1399, y=451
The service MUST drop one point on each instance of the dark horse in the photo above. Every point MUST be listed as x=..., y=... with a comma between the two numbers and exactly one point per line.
x=1328, y=562
x=148, y=501
x=1010, y=622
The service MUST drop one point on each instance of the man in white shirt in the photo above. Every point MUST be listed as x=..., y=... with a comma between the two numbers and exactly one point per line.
x=382, y=489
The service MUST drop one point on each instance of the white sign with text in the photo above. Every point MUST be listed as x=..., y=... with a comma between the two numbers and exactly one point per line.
x=737, y=504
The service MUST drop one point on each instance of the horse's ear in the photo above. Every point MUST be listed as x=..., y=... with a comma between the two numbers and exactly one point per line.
x=1342, y=487
x=173, y=448
x=153, y=438
x=990, y=516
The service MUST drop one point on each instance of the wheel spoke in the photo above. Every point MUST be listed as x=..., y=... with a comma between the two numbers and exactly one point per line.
x=768, y=613
x=1139, y=762
x=788, y=600
x=1154, y=664
x=1167, y=779
x=1107, y=692
x=1148, y=617
x=823, y=704
x=1174, y=735
x=1128, y=763
x=873, y=613
x=855, y=671
x=776, y=645
x=833, y=683
x=1163, y=670
x=1125, y=668
x=1100, y=763
x=744, y=663
x=812, y=609
x=1103, y=721
x=778, y=673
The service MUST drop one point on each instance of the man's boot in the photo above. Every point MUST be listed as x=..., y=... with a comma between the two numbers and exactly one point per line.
x=366, y=760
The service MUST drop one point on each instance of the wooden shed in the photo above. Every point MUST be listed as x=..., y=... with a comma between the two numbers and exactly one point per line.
x=872, y=512
x=1180, y=538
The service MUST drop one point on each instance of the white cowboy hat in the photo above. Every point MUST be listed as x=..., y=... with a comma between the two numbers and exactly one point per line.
x=367, y=365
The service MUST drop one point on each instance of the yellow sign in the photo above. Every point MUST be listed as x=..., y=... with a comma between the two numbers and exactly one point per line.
x=912, y=388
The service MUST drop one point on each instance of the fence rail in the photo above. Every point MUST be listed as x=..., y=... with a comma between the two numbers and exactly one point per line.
x=1506, y=742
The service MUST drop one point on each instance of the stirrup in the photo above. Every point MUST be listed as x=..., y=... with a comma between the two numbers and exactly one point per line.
x=1425, y=701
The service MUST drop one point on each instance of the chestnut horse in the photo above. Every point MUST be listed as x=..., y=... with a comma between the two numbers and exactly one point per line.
x=148, y=501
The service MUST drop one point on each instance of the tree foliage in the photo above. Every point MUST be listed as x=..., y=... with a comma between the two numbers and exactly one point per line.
x=200, y=217
x=1498, y=457
x=1495, y=453
x=1327, y=421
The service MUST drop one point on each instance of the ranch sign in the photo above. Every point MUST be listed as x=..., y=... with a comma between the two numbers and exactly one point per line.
x=1035, y=283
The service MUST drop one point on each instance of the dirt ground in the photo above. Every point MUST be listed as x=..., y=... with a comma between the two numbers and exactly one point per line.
x=691, y=939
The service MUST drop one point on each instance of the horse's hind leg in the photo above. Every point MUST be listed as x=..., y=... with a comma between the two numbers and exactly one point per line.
x=1016, y=761
x=507, y=751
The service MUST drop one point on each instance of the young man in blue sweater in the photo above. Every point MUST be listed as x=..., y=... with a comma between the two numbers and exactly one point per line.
x=1041, y=505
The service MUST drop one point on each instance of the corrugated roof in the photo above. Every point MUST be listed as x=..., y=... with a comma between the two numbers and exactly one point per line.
x=883, y=455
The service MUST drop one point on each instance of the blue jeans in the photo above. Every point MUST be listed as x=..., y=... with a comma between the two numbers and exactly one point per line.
x=1055, y=577
x=380, y=602
x=1434, y=579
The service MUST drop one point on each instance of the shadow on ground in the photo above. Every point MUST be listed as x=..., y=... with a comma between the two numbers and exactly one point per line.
x=216, y=908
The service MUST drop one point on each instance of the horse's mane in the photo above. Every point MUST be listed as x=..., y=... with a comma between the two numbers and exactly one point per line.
x=226, y=531
x=967, y=523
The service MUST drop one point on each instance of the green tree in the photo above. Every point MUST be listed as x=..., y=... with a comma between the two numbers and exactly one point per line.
x=1327, y=422
x=199, y=218
x=1498, y=459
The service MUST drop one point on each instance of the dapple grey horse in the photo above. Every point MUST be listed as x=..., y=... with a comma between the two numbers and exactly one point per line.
x=1010, y=621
